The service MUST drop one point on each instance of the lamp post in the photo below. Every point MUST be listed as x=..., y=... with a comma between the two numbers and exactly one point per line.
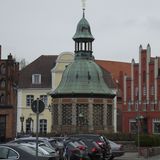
x=22, y=120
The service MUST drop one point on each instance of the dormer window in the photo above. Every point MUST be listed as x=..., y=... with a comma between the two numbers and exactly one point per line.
x=36, y=79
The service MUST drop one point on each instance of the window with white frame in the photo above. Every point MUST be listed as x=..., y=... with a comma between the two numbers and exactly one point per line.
x=29, y=100
x=156, y=126
x=36, y=78
x=132, y=126
x=43, y=126
x=44, y=99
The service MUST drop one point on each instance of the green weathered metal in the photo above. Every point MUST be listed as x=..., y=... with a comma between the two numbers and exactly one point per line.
x=83, y=31
x=83, y=77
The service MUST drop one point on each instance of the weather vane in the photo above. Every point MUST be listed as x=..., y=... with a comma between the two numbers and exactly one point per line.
x=83, y=6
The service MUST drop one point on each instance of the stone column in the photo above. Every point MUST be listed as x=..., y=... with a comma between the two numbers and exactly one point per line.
x=90, y=117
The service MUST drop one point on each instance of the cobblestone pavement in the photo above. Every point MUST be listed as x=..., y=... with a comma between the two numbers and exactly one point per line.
x=134, y=156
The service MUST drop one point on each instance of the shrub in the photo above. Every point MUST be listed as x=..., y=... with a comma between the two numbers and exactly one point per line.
x=120, y=137
x=148, y=140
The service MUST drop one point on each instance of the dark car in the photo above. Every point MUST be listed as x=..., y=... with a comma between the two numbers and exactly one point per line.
x=75, y=150
x=100, y=140
x=50, y=142
x=94, y=151
x=117, y=149
x=20, y=152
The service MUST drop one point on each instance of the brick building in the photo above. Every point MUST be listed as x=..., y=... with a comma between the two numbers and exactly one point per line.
x=141, y=95
x=9, y=69
x=117, y=70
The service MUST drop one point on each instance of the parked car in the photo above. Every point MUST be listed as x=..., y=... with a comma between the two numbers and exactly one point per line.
x=100, y=140
x=94, y=151
x=117, y=149
x=75, y=150
x=50, y=142
x=20, y=152
x=43, y=150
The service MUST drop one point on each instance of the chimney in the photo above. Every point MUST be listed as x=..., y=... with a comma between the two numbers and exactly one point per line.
x=0, y=52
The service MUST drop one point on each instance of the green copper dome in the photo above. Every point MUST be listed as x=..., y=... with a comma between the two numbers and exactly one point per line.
x=82, y=78
x=83, y=30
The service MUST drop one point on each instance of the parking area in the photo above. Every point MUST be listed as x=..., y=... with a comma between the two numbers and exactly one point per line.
x=72, y=147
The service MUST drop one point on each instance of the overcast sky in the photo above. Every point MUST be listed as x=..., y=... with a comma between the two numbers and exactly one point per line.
x=30, y=28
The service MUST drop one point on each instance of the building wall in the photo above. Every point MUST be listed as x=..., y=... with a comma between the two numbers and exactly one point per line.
x=9, y=70
x=26, y=111
x=142, y=95
x=63, y=59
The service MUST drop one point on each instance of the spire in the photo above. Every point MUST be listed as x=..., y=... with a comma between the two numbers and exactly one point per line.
x=84, y=7
x=83, y=38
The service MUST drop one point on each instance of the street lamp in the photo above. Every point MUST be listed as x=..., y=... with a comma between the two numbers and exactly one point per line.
x=22, y=120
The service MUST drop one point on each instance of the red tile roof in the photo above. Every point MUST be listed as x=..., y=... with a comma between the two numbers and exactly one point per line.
x=115, y=67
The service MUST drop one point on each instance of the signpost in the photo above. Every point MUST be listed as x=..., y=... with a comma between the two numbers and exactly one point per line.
x=37, y=107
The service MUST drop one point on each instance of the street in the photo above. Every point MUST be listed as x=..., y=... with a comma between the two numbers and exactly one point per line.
x=134, y=156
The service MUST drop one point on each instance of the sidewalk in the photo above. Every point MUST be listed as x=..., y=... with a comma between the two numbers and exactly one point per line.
x=134, y=156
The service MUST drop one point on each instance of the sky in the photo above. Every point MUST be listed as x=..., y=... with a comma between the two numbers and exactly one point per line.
x=31, y=28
